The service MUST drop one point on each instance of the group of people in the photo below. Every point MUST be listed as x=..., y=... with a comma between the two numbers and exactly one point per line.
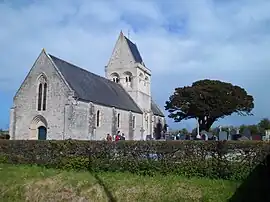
x=116, y=137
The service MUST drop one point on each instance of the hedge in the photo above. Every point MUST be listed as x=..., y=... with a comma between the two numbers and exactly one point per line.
x=214, y=159
x=4, y=136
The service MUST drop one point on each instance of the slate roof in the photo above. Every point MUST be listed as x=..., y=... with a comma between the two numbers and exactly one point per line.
x=137, y=56
x=155, y=109
x=134, y=50
x=94, y=88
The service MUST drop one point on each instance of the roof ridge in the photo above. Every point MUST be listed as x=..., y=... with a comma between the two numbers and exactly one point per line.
x=76, y=66
x=96, y=81
x=130, y=40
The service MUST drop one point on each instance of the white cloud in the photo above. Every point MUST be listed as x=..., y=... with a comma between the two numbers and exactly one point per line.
x=228, y=40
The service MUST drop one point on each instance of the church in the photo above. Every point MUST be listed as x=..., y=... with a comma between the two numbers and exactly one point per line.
x=59, y=100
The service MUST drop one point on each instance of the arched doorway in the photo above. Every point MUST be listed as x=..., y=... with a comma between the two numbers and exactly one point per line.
x=42, y=133
x=38, y=128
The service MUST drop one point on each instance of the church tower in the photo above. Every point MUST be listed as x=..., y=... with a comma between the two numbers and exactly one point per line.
x=127, y=68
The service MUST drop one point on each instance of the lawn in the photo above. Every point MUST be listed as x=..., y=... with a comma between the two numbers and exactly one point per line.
x=36, y=184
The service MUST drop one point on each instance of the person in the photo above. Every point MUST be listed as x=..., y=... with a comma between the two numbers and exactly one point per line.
x=109, y=137
x=123, y=136
x=117, y=137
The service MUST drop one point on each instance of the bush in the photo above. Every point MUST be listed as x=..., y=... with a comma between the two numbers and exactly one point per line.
x=5, y=136
x=227, y=160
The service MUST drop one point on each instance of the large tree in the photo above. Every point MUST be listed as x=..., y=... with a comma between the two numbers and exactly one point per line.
x=207, y=101
x=264, y=124
x=254, y=129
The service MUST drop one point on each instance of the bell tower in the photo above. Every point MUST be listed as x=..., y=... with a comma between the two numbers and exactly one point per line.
x=127, y=68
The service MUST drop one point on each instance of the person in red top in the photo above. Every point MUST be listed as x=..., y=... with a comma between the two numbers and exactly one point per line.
x=117, y=137
x=109, y=138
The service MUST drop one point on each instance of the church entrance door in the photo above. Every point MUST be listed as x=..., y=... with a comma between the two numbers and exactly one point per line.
x=42, y=133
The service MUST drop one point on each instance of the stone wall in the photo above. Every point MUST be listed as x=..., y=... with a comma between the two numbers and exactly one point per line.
x=25, y=101
x=83, y=122
x=68, y=118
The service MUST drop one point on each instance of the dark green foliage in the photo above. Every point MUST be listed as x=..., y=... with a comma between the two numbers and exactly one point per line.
x=190, y=158
x=208, y=100
x=4, y=136
x=264, y=124
x=254, y=129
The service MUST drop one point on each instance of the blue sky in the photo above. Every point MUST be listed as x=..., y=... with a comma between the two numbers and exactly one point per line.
x=180, y=41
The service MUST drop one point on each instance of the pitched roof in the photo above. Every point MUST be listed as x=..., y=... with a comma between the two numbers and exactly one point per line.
x=155, y=109
x=94, y=88
x=134, y=50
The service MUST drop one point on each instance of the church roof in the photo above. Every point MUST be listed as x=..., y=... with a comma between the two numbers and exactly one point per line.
x=91, y=87
x=134, y=50
x=155, y=109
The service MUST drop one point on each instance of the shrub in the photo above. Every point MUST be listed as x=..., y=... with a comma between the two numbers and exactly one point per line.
x=5, y=136
x=227, y=160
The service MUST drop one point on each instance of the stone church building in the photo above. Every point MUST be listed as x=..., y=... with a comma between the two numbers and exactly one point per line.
x=59, y=100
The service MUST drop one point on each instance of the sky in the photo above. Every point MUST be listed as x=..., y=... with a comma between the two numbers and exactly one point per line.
x=181, y=41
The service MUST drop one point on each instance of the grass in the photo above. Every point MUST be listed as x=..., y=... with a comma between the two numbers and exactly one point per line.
x=37, y=184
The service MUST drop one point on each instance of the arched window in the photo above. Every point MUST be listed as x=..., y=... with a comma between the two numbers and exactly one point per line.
x=118, y=120
x=128, y=79
x=42, y=93
x=116, y=80
x=115, y=77
x=146, y=81
x=44, y=96
x=39, y=96
x=98, y=118
x=141, y=78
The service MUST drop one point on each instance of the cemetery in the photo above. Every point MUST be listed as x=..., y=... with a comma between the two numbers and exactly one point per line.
x=232, y=135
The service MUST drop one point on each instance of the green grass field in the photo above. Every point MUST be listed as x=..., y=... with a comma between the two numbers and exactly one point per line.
x=36, y=184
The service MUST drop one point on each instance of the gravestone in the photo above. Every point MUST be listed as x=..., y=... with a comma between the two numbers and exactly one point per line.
x=204, y=135
x=210, y=135
x=172, y=137
x=222, y=135
x=182, y=137
x=168, y=137
x=188, y=137
x=233, y=132
x=229, y=136
x=247, y=133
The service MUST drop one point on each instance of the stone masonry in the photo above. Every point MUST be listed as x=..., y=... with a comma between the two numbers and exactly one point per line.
x=67, y=117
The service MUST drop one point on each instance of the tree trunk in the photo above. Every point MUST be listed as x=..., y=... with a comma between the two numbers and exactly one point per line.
x=205, y=123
